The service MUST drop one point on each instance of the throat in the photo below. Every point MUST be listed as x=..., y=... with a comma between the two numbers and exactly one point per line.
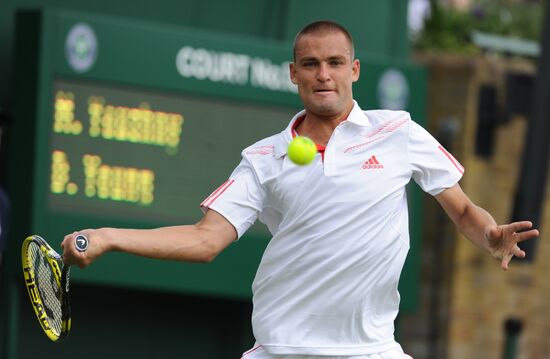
x=319, y=131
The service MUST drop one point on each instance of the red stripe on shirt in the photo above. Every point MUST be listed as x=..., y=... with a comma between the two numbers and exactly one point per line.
x=251, y=350
x=217, y=193
x=452, y=159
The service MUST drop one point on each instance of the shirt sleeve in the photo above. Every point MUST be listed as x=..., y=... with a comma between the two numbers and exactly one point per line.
x=434, y=169
x=239, y=199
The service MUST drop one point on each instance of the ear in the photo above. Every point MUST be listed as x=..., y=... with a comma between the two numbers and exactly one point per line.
x=355, y=69
x=292, y=71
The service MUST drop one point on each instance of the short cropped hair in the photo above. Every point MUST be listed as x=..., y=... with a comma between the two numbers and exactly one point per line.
x=324, y=27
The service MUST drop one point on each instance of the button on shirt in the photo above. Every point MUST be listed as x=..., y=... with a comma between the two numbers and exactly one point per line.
x=327, y=281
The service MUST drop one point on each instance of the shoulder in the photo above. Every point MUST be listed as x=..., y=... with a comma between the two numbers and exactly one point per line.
x=265, y=157
x=267, y=148
x=386, y=122
x=262, y=148
x=383, y=117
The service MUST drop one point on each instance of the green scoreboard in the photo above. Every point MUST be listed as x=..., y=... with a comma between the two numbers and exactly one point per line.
x=127, y=123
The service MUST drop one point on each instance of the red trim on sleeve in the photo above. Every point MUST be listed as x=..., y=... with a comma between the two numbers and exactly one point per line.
x=251, y=350
x=452, y=159
x=217, y=193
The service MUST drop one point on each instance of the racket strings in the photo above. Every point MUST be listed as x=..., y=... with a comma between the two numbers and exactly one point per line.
x=50, y=292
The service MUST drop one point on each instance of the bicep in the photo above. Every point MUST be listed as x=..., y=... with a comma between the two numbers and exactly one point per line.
x=239, y=200
x=216, y=230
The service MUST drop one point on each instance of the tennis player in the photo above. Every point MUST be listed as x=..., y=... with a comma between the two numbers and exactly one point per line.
x=326, y=286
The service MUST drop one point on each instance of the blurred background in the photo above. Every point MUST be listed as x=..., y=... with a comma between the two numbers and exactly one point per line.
x=131, y=113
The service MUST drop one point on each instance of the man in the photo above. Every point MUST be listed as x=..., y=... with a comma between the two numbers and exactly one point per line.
x=327, y=283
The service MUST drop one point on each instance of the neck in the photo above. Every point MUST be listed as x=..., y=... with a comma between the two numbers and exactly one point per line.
x=320, y=128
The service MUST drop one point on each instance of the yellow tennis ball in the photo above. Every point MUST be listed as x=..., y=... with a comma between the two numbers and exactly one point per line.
x=301, y=150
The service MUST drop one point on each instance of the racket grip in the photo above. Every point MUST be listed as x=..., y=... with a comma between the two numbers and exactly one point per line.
x=81, y=243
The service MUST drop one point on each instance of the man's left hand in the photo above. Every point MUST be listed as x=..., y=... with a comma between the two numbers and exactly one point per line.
x=503, y=240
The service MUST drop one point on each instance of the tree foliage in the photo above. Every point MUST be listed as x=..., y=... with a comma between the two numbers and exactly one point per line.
x=450, y=30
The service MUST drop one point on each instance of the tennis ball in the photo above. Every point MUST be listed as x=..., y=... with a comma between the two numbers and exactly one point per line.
x=301, y=150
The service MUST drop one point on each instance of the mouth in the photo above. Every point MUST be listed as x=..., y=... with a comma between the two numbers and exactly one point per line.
x=322, y=90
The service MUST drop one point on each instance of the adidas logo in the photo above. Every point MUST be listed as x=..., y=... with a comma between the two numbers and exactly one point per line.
x=372, y=164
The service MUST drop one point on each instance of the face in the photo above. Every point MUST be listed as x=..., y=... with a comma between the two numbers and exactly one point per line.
x=324, y=72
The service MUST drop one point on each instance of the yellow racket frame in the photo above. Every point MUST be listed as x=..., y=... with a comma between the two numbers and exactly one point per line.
x=54, y=260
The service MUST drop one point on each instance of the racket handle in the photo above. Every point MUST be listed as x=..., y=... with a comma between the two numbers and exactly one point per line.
x=81, y=243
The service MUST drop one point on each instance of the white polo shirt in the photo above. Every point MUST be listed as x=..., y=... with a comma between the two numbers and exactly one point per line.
x=327, y=281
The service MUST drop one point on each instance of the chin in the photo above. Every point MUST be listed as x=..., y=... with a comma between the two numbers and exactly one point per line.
x=325, y=109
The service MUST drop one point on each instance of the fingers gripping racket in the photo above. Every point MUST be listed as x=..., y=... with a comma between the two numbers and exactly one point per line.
x=47, y=282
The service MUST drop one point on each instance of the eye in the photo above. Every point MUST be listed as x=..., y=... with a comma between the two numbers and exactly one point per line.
x=335, y=62
x=309, y=64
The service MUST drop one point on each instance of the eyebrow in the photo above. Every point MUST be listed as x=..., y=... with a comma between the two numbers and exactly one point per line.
x=330, y=58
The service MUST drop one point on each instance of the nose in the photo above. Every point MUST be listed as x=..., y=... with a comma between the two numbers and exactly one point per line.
x=323, y=74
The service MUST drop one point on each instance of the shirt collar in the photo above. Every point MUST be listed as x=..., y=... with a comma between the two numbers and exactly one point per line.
x=356, y=116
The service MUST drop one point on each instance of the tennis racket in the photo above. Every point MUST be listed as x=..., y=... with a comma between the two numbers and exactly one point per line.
x=47, y=282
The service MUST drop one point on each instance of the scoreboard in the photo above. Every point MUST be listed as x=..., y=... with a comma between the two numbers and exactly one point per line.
x=144, y=156
x=127, y=123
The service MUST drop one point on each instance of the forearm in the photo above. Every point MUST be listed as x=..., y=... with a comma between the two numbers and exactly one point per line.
x=480, y=227
x=182, y=243
x=473, y=223
x=200, y=242
x=471, y=220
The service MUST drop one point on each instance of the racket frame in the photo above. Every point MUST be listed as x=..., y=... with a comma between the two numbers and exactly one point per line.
x=61, y=275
